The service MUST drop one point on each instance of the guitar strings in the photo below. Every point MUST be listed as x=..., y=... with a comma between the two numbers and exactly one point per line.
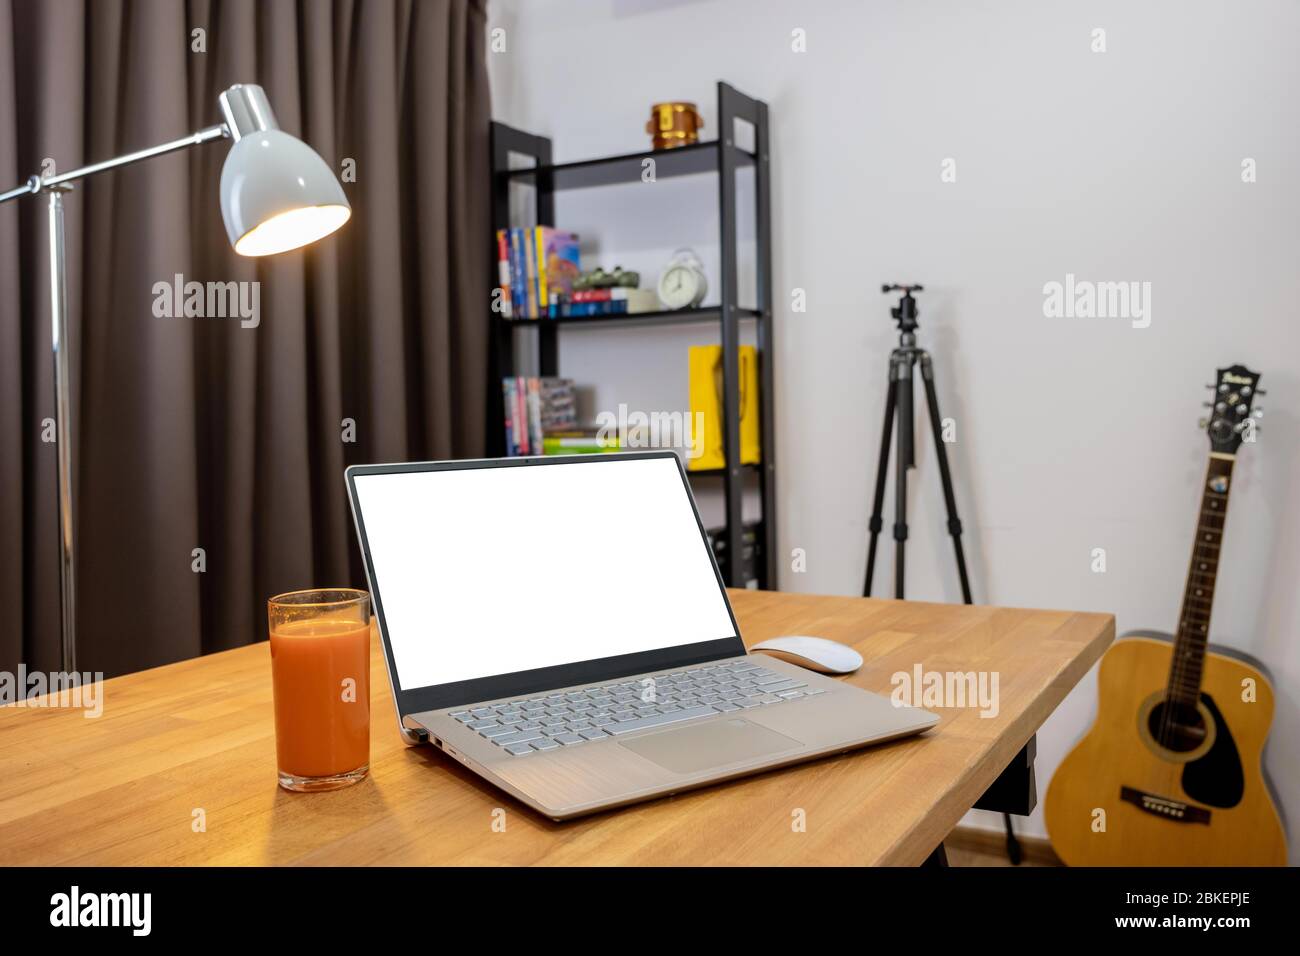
x=1179, y=675
x=1175, y=673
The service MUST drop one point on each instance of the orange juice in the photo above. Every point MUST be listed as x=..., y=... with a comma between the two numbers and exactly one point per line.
x=321, y=671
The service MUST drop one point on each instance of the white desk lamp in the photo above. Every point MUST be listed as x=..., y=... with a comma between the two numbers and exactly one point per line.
x=277, y=194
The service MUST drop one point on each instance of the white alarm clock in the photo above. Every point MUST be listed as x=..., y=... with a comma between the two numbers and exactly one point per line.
x=682, y=284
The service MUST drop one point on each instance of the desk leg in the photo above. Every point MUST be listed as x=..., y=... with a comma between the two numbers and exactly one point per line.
x=938, y=857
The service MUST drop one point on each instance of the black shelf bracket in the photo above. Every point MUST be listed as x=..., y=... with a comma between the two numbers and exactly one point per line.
x=1016, y=789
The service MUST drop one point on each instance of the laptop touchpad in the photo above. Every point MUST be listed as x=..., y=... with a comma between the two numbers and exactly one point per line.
x=714, y=744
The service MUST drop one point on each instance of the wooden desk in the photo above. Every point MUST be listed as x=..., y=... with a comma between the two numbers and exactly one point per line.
x=123, y=789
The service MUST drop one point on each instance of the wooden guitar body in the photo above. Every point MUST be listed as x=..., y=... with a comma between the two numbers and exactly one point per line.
x=1203, y=805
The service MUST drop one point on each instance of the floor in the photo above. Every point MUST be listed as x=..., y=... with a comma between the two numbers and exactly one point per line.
x=967, y=846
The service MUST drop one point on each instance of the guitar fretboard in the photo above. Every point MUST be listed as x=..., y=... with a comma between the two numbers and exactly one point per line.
x=1198, y=597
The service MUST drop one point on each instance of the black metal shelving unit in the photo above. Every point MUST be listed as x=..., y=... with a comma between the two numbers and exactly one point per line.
x=721, y=157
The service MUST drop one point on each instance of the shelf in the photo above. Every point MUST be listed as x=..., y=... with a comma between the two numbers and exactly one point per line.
x=628, y=168
x=639, y=319
x=720, y=472
x=717, y=159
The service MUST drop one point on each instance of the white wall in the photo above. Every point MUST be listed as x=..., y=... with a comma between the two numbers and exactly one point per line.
x=1073, y=434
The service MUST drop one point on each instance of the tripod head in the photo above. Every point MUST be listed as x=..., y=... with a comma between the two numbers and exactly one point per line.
x=905, y=312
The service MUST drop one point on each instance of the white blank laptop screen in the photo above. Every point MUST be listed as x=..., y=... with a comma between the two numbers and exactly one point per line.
x=486, y=571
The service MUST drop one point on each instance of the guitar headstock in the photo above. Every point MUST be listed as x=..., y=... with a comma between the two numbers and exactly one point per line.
x=1233, y=416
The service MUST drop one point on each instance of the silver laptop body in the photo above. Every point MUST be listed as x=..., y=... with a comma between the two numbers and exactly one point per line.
x=559, y=626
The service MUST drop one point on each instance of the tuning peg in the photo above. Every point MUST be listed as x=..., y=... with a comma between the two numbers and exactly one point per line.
x=1202, y=422
x=1207, y=404
x=1211, y=386
x=1260, y=391
x=1257, y=413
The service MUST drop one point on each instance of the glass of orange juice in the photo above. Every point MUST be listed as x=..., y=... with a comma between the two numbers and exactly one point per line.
x=320, y=669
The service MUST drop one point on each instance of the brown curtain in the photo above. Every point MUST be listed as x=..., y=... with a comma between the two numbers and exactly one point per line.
x=199, y=433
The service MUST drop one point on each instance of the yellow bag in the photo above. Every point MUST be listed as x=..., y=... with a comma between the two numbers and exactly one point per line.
x=705, y=378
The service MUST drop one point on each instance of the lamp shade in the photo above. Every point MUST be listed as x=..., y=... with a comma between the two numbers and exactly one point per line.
x=277, y=194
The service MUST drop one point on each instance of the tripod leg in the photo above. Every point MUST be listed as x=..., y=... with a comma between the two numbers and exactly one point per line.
x=945, y=474
x=903, y=460
x=1014, y=853
x=878, y=499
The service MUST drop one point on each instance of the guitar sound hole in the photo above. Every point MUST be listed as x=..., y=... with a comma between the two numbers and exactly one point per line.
x=1177, y=728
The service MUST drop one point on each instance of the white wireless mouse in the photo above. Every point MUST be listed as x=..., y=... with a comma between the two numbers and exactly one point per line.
x=814, y=653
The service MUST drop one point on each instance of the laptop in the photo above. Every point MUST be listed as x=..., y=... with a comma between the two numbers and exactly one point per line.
x=559, y=626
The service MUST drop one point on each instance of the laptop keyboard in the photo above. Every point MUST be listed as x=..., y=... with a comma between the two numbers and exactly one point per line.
x=552, y=721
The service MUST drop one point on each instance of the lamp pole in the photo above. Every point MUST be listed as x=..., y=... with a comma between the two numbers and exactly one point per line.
x=57, y=186
x=63, y=427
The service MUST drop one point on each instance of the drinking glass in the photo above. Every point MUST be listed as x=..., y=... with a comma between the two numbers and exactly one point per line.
x=320, y=669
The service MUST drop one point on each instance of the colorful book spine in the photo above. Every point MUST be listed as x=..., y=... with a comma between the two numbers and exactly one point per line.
x=521, y=420
x=552, y=446
x=581, y=441
x=536, y=270
x=512, y=414
x=535, y=415
x=613, y=301
x=616, y=293
x=503, y=273
x=539, y=247
x=530, y=273
x=511, y=431
x=507, y=393
x=583, y=309
x=517, y=272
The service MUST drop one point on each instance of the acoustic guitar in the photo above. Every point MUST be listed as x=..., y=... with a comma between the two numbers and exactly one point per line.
x=1172, y=771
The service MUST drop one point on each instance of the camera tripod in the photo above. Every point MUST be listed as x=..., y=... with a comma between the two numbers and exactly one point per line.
x=899, y=412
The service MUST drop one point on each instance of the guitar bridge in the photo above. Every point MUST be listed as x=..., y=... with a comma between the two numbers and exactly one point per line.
x=1174, y=810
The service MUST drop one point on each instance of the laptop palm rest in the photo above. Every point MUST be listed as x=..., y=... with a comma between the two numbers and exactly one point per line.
x=713, y=744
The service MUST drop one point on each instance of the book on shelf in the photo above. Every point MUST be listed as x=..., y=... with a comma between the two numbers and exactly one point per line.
x=536, y=408
x=516, y=421
x=579, y=441
x=559, y=408
x=535, y=269
x=517, y=271
x=591, y=440
x=618, y=300
x=503, y=273
x=561, y=264
x=530, y=275
x=615, y=293
x=541, y=418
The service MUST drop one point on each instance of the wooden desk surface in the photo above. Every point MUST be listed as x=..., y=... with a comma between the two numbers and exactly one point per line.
x=124, y=788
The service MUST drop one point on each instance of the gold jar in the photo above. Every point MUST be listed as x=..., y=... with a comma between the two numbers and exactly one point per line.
x=674, y=124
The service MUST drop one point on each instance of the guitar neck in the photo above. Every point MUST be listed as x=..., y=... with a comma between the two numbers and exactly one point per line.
x=1198, y=597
